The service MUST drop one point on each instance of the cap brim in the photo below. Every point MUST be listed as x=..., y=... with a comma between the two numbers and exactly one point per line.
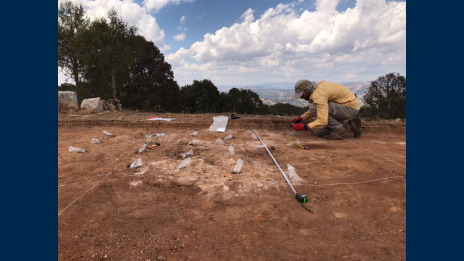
x=297, y=95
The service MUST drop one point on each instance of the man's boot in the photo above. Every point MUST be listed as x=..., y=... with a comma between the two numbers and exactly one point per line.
x=336, y=134
x=355, y=125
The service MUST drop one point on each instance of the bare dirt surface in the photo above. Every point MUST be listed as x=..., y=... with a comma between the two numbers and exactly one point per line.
x=203, y=212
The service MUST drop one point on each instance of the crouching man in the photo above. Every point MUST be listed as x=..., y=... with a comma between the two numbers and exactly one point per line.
x=334, y=106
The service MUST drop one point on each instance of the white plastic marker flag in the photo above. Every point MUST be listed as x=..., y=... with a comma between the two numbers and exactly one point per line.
x=231, y=151
x=184, y=163
x=108, y=133
x=158, y=119
x=185, y=155
x=238, y=166
x=74, y=149
x=291, y=172
x=137, y=163
x=142, y=148
x=193, y=142
x=220, y=142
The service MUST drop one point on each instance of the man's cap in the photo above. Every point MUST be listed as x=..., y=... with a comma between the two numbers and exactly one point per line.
x=301, y=86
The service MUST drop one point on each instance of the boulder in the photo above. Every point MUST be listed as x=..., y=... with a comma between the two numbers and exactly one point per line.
x=92, y=104
x=119, y=106
x=105, y=105
x=67, y=101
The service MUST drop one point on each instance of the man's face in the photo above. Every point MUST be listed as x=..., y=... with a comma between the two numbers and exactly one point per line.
x=305, y=95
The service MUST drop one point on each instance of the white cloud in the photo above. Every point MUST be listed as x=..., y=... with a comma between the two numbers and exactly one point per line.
x=62, y=78
x=131, y=13
x=366, y=41
x=350, y=76
x=182, y=19
x=248, y=13
x=326, y=6
x=178, y=58
x=179, y=37
x=156, y=5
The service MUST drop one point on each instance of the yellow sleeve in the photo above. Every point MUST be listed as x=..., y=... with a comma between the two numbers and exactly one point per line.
x=307, y=115
x=322, y=113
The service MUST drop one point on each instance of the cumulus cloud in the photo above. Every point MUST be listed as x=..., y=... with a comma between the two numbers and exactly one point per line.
x=132, y=14
x=62, y=78
x=366, y=41
x=182, y=19
x=179, y=37
x=156, y=5
x=326, y=5
x=247, y=13
x=178, y=58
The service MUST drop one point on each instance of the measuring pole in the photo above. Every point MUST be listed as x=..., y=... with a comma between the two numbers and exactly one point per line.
x=283, y=174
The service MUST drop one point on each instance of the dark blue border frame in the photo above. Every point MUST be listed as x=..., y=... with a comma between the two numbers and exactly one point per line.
x=29, y=45
x=434, y=68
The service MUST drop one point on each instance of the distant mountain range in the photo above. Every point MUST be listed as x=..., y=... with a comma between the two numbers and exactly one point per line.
x=273, y=93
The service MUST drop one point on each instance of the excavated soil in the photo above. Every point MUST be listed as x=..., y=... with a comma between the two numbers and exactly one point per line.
x=204, y=212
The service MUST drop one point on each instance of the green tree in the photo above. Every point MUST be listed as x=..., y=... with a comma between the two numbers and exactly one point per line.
x=201, y=96
x=224, y=103
x=67, y=87
x=245, y=101
x=111, y=49
x=386, y=97
x=151, y=85
x=72, y=26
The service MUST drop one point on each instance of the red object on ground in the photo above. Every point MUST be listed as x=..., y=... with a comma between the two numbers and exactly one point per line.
x=153, y=146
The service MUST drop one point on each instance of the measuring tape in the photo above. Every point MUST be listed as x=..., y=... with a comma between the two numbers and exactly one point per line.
x=305, y=148
x=300, y=197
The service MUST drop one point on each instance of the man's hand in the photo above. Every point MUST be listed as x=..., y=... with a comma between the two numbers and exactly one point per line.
x=296, y=120
x=299, y=127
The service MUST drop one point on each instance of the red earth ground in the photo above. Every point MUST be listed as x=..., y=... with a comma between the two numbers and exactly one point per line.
x=203, y=212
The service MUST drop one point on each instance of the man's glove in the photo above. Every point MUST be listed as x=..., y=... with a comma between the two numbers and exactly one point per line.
x=299, y=127
x=296, y=120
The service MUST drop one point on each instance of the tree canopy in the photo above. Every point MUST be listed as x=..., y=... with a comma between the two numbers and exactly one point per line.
x=151, y=80
x=108, y=59
x=72, y=26
x=386, y=97
x=201, y=96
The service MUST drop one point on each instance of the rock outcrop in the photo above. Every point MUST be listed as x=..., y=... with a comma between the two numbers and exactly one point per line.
x=92, y=104
x=67, y=101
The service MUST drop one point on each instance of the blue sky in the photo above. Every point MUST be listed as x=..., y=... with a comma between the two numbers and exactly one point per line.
x=238, y=42
x=207, y=16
